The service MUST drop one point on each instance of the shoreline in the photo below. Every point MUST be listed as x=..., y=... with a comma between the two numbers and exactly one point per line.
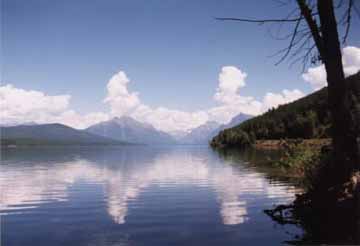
x=277, y=144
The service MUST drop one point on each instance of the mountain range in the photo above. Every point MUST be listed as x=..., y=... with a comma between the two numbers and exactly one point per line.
x=51, y=134
x=129, y=130
x=204, y=133
x=121, y=130
x=201, y=134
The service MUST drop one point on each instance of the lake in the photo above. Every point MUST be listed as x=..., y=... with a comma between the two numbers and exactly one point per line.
x=138, y=195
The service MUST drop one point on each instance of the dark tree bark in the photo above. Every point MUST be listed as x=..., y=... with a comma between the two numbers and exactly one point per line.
x=344, y=126
x=344, y=138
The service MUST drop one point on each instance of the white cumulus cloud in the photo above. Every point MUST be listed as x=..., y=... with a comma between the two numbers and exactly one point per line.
x=231, y=79
x=72, y=118
x=223, y=113
x=227, y=95
x=230, y=102
x=22, y=106
x=273, y=100
x=351, y=60
x=123, y=102
x=170, y=120
x=19, y=106
x=316, y=76
x=120, y=99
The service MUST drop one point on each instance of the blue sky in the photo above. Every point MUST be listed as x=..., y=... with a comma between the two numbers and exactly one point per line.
x=171, y=50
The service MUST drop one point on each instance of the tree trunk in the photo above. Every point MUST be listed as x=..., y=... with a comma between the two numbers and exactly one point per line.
x=344, y=126
x=335, y=203
x=345, y=113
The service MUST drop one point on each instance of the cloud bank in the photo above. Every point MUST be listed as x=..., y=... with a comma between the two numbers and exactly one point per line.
x=227, y=96
x=316, y=76
x=22, y=106
x=272, y=100
x=19, y=106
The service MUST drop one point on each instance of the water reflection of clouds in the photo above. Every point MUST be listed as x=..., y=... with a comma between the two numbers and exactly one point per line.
x=37, y=184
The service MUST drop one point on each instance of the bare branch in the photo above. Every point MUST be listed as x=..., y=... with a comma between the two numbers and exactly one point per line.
x=281, y=3
x=302, y=46
x=259, y=21
x=279, y=30
x=341, y=2
x=306, y=35
x=307, y=14
x=348, y=20
x=307, y=57
x=291, y=42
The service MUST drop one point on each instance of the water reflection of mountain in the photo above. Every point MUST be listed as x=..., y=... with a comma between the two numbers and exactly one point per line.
x=95, y=154
x=31, y=177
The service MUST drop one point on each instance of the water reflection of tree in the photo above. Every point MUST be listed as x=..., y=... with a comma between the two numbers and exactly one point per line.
x=258, y=160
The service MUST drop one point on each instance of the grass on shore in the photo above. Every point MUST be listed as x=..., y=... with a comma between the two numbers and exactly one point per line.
x=299, y=158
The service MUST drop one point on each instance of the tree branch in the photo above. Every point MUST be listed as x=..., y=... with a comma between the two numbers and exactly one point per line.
x=291, y=45
x=348, y=20
x=307, y=14
x=259, y=21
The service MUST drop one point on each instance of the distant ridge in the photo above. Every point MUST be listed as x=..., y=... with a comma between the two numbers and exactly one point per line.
x=130, y=130
x=240, y=118
x=51, y=134
x=204, y=133
x=201, y=134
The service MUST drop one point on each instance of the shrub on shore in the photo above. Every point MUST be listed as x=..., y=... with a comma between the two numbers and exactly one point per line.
x=232, y=138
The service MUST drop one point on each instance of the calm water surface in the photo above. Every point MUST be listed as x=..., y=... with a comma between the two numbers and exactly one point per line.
x=137, y=195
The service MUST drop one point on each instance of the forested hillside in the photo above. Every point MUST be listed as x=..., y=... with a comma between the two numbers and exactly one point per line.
x=308, y=117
